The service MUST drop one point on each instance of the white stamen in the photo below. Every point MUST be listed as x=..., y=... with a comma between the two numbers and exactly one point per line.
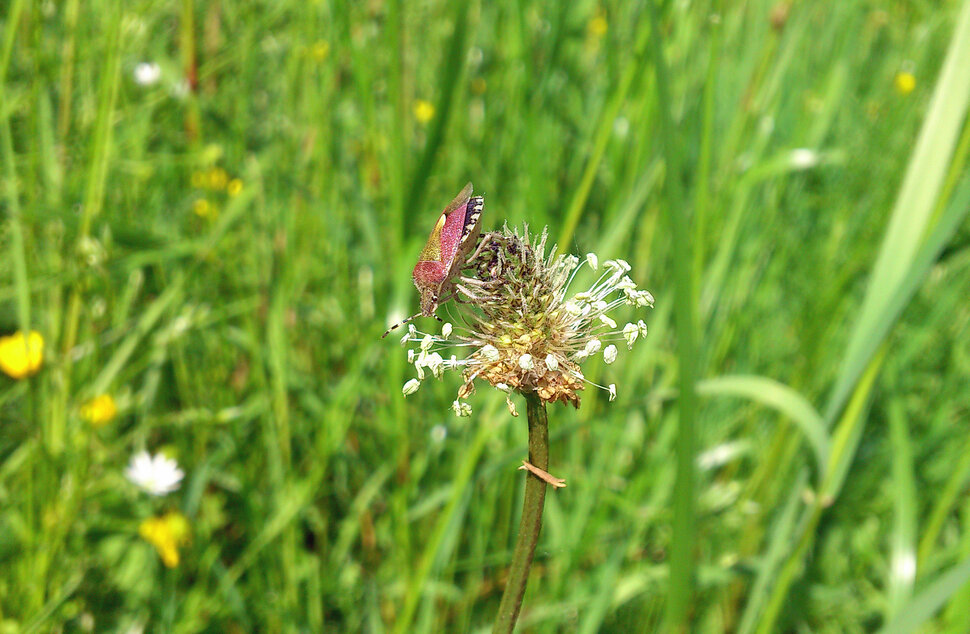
x=606, y=320
x=552, y=362
x=630, y=333
x=592, y=347
x=411, y=387
x=626, y=284
x=461, y=409
x=612, y=389
x=526, y=362
x=434, y=362
x=489, y=352
x=592, y=261
x=609, y=354
x=573, y=308
x=446, y=330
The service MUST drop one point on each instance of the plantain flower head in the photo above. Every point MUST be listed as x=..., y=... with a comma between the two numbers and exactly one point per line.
x=526, y=332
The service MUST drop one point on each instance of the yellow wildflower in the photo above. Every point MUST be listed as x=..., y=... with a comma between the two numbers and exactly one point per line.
x=597, y=26
x=166, y=534
x=204, y=209
x=234, y=187
x=99, y=411
x=423, y=111
x=21, y=356
x=217, y=178
x=905, y=82
x=320, y=50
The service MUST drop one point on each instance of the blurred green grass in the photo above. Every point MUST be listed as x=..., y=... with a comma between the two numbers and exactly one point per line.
x=245, y=340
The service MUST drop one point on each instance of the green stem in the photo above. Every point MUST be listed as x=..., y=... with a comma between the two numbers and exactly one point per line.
x=531, y=524
x=680, y=596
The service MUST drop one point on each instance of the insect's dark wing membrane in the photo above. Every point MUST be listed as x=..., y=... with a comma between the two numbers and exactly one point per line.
x=470, y=231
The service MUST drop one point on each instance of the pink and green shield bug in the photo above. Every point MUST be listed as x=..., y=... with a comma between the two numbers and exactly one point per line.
x=452, y=239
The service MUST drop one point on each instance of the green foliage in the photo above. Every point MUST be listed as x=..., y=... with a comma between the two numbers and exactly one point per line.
x=221, y=250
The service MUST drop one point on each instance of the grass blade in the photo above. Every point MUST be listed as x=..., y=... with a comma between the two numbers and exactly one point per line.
x=902, y=560
x=925, y=604
x=780, y=397
x=682, y=564
x=913, y=208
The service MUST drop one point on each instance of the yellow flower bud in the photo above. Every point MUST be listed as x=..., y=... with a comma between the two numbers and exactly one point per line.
x=99, y=411
x=423, y=111
x=905, y=83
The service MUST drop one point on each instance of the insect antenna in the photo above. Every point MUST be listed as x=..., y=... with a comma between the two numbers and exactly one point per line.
x=408, y=320
x=399, y=324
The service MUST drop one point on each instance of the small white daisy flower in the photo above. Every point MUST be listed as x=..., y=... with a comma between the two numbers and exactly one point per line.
x=156, y=475
x=147, y=73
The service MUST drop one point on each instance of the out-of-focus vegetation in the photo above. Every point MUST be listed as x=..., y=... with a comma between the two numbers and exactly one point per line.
x=209, y=214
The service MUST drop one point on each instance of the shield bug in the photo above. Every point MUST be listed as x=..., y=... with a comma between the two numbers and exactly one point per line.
x=452, y=239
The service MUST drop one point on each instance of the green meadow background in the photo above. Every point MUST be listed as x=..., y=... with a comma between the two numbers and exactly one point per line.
x=788, y=179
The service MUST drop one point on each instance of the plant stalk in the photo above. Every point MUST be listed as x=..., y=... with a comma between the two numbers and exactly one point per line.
x=531, y=523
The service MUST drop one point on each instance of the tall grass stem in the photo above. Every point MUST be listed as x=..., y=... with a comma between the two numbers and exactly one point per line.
x=682, y=549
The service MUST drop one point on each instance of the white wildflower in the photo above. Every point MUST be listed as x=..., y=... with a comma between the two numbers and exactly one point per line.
x=147, y=73
x=156, y=474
